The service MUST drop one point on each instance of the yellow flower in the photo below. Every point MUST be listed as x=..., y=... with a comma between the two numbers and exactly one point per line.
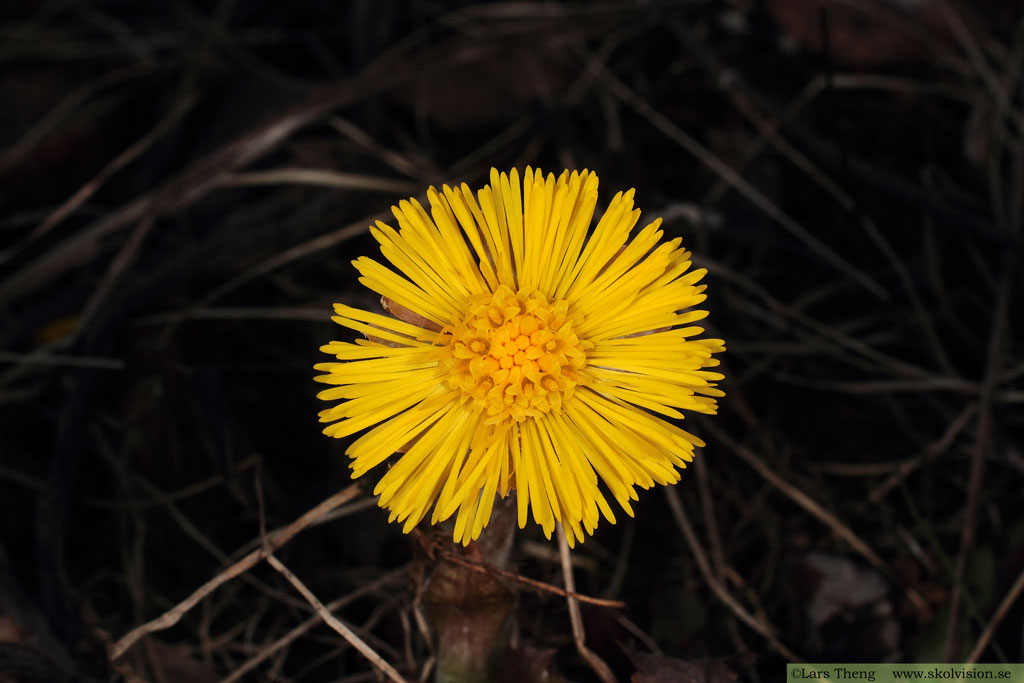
x=541, y=362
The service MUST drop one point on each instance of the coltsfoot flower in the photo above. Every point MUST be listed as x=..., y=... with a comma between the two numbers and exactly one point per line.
x=538, y=359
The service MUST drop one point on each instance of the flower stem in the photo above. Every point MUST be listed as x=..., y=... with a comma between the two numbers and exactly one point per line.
x=472, y=612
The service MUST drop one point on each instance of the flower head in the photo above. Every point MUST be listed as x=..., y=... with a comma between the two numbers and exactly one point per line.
x=530, y=356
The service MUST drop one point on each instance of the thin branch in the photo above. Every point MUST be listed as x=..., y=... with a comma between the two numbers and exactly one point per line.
x=596, y=664
x=979, y=456
x=934, y=450
x=335, y=623
x=720, y=591
x=194, y=183
x=129, y=155
x=532, y=583
x=816, y=510
x=274, y=541
x=71, y=103
x=997, y=618
x=622, y=92
x=318, y=177
x=316, y=245
x=127, y=254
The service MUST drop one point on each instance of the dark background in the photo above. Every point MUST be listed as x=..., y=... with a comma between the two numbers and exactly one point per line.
x=183, y=186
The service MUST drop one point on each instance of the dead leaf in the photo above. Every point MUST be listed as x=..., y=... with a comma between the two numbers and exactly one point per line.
x=658, y=669
x=842, y=585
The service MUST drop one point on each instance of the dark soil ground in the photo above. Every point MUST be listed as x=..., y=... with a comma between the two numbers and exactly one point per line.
x=183, y=186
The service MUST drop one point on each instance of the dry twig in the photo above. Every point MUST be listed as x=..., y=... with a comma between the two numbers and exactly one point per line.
x=997, y=618
x=815, y=509
x=979, y=456
x=274, y=541
x=335, y=623
x=596, y=664
x=720, y=591
x=621, y=91
x=525, y=581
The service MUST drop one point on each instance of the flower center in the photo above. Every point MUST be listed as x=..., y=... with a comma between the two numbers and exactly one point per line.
x=515, y=354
